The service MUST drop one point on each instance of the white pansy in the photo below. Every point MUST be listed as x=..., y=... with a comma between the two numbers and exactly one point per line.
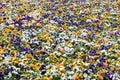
x=104, y=51
x=9, y=75
x=64, y=55
x=88, y=20
x=14, y=72
x=57, y=53
x=93, y=79
x=70, y=72
x=66, y=48
x=85, y=75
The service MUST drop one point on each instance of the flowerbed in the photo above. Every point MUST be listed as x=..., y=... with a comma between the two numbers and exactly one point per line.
x=59, y=40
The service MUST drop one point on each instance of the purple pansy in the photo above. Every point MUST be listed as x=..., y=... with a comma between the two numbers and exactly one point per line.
x=102, y=59
x=6, y=71
x=82, y=0
x=91, y=66
x=92, y=53
x=100, y=64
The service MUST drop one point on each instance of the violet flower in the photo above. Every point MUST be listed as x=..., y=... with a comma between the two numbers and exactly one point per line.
x=116, y=33
x=107, y=8
x=43, y=72
x=2, y=78
x=6, y=71
x=12, y=69
x=91, y=66
x=82, y=0
x=92, y=53
x=2, y=5
x=1, y=75
x=33, y=79
x=109, y=75
x=6, y=23
x=27, y=18
x=100, y=64
x=25, y=49
x=96, y=20
x=46, y=15
x=18, y=23
x=102, y=59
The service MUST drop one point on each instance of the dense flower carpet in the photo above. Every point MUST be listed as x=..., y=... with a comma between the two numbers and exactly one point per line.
x=59, y=39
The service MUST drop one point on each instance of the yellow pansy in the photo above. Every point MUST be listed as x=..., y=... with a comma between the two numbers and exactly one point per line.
x=11, y=51
x=17, y=17
x=86, y=64
x=74, y=60
x=100, y=77
x=52, y=27
x=97, y=52
x=76, y=76
x=43, y=36
x=54, y=61
x=80, y=75
x=72, y=64
x=112, y=69
x=19, y=32
x=40, y=10
x=23, y=1
x=78, y=32
x=63, y=13
x=2, y=67
x=80, y=60
x=13, y=58
x=90, y=60
x=117, y=68
x=39, y=51
x=62, y=60
x=38, y=65
x=80, y=67
x=1, y=51
x=33, y=66
x=103, y=71
x=110, y=49
x=95, y=57
x=62, y=50
x=1, y=47
x=8, y=30
x=117, y=54
x=1, y=58
x=25, y=62
x=38, y=77
x=105, y=64
x=65, y=27
x=59, y=72
x=26, y=44
x=15, y=62
x=47, y=78
x=106, y=41
x=118, y=62
x=28, y=56
x=62, y=70
x=12, y=32
x=1, y=20
x=27, y=75
x=89, y=32
x=99, y=45
x=118, y=1
x=33, y=59
x=57, y=12
x=50, y=41
x=69, y=44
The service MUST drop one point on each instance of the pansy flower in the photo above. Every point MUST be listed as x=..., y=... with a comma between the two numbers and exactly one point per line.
x=57, y=40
